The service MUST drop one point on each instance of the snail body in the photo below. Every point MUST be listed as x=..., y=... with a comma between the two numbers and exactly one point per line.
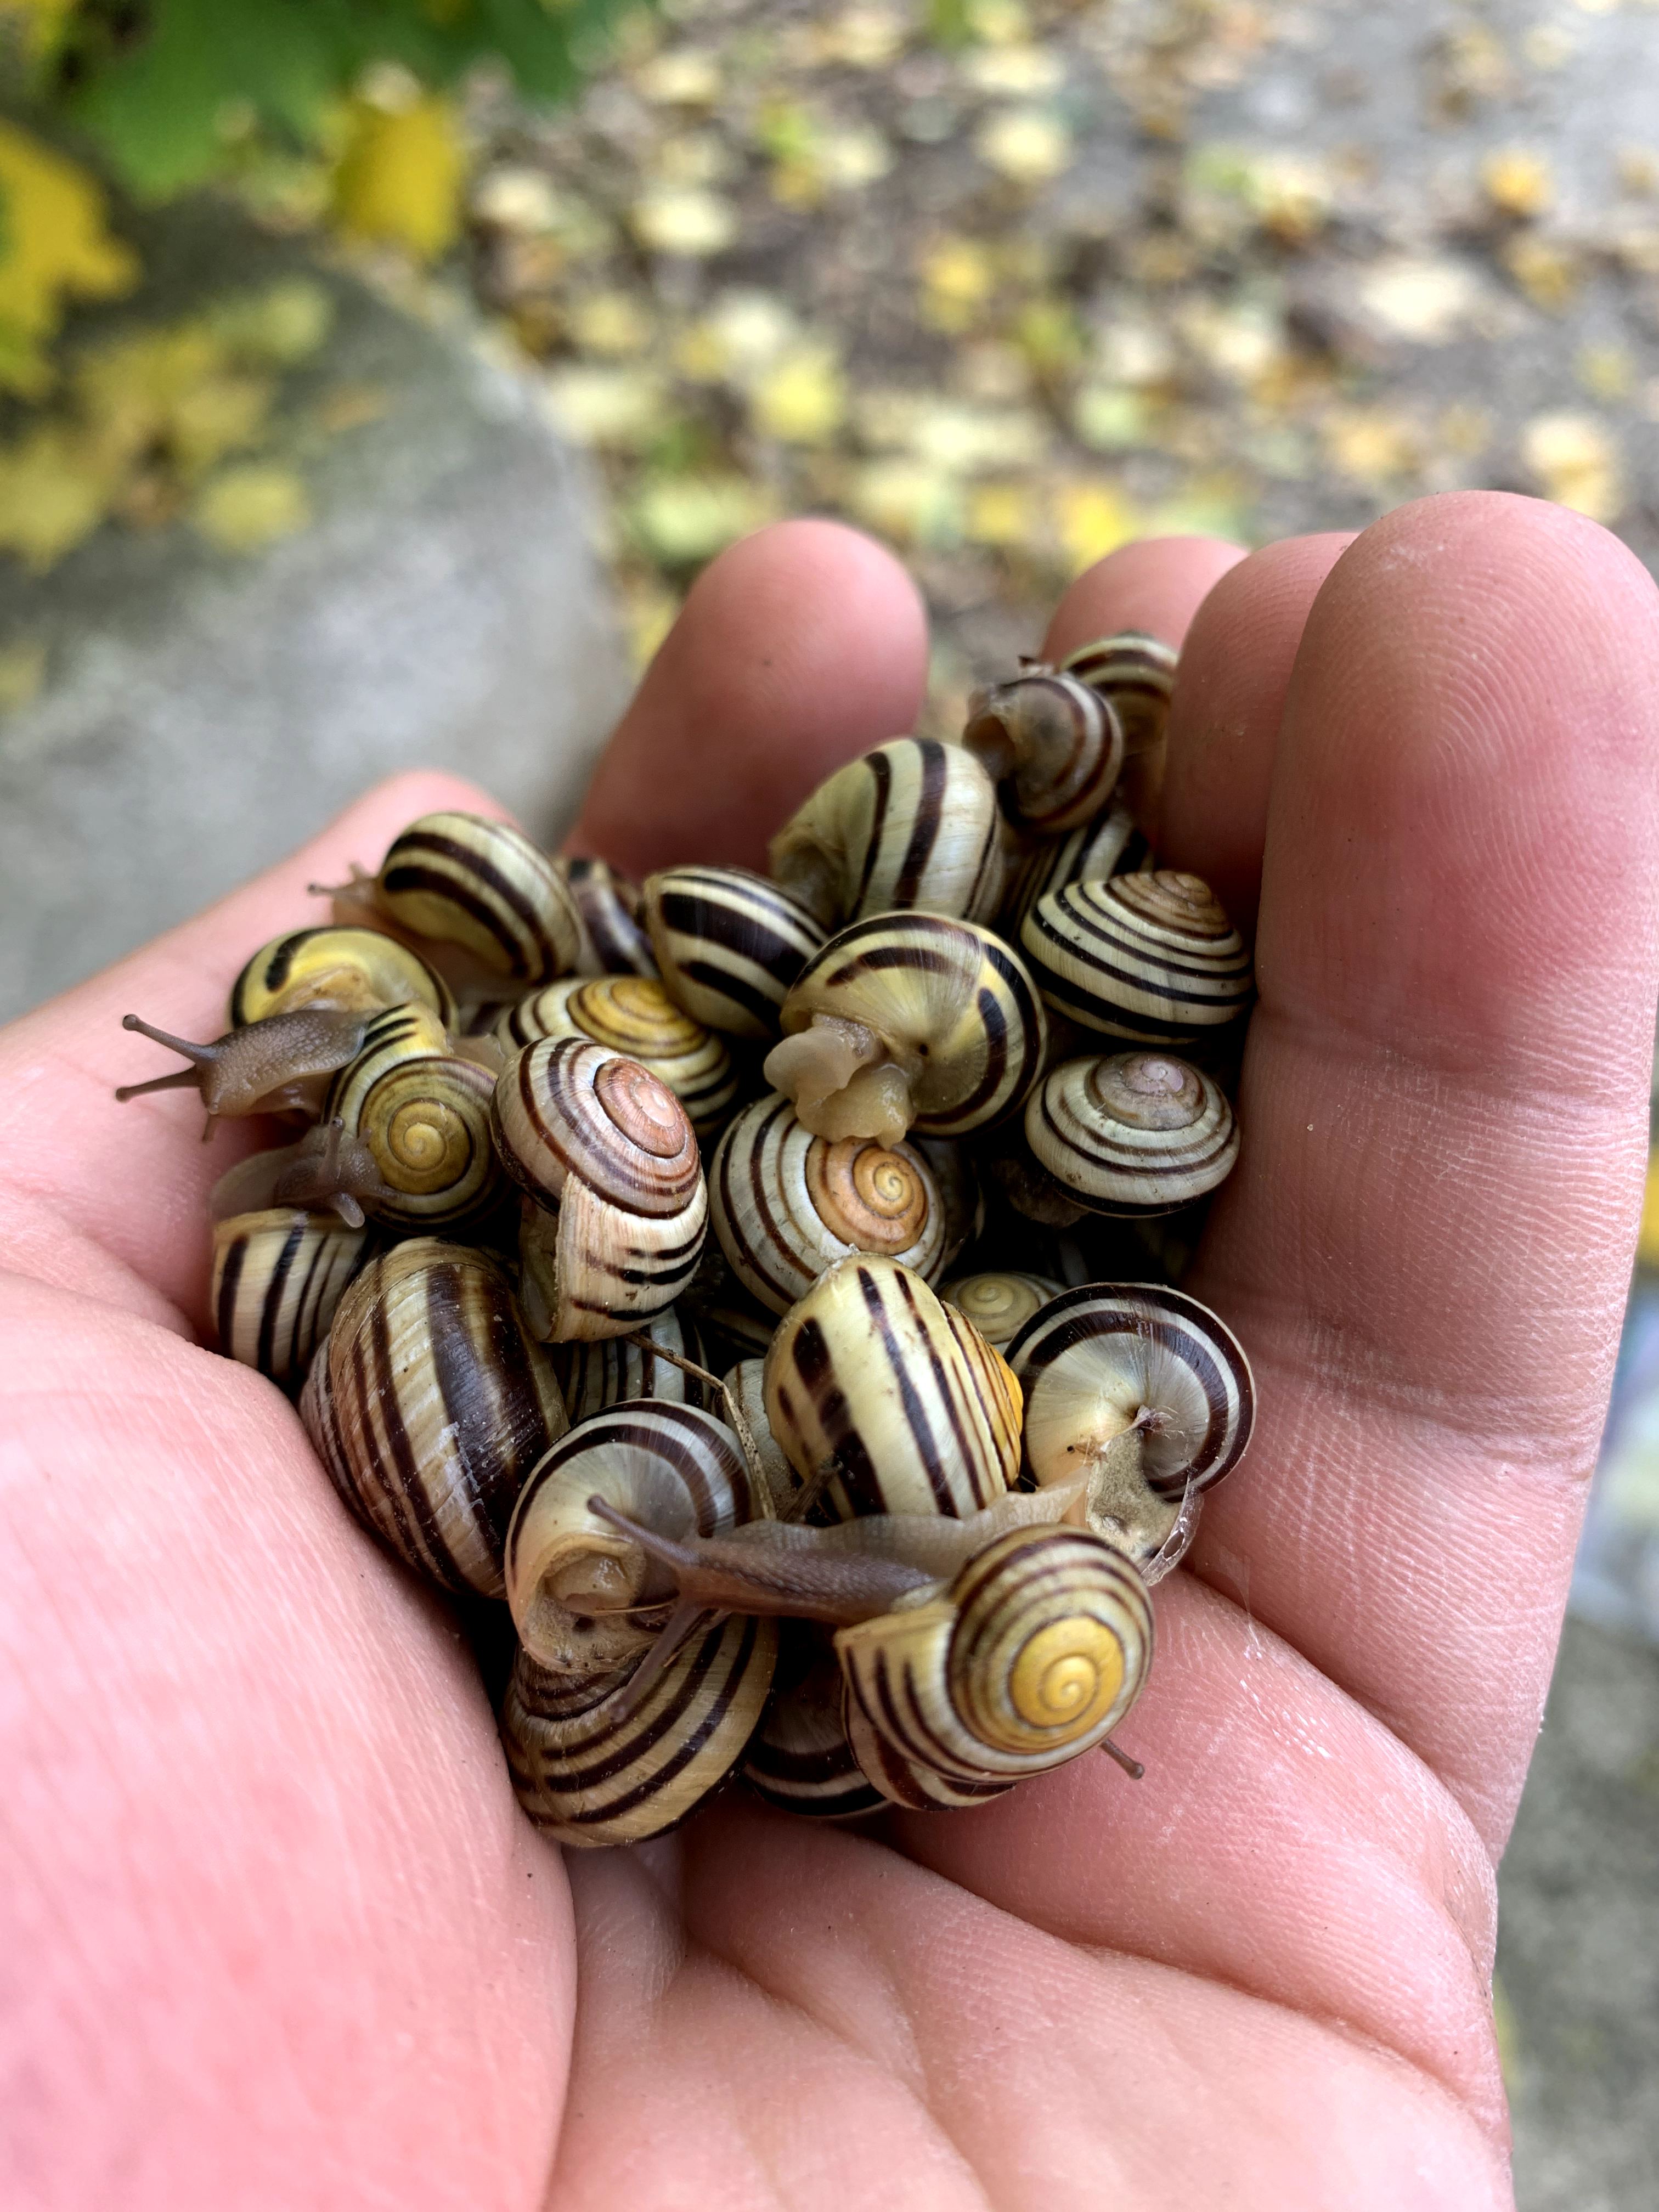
x=1136, y=1133
x=619, y=1208
x=1052, y=746
x=913, y=824
x=323, y=1171
x=424, y=1114
x=909, y=1021
x=1153, y=958
x=278, y=1064
x=278, y=1276
x=633, y=1015
x=339, y=968
x=436, y=1404
x=786, y=1204
x=729, y=944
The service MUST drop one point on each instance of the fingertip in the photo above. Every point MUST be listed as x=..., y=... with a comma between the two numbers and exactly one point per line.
x=1156, y=585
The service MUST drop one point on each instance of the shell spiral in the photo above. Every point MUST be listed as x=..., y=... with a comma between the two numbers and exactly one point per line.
x=633, y=1015
x=567, y=1109
x=424, y=1115
x=1136, y=1133
x=1153, y=958
x=999, y=1304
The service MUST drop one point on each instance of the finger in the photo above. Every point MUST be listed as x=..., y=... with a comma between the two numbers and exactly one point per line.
x=1156, y=585
x=1444, y=1103
x=1229, y=700
x=797, y=649
x=112, y=1199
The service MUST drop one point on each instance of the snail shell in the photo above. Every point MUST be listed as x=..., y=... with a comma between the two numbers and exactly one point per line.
x=1153, y=958
x=729, y=944
x=350, y=969
x=1107, y=845
x=1135, y=672
x=870, y=1377
x=909, y=1021
x=900, y=1781
x=593, y=1766
x=799, y=1758
x=424, y=1115
x=746, y=1381
x=1138, y=1132
x=1053, y=746
x=585, y=1598
x=462, y=879
x=278, y=1275
x=633, y=1015
x=438, y=1403
x=1039, y=1647
x=605, y=1150
x=786, y=1204
x=999, y=1304
x=912, y=824
x=614, y=942
x=1144, y=1387
x=598, y=1375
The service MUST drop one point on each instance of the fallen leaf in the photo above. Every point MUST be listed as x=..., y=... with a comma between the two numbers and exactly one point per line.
x=614, y=325
x=54, y=246
x=399, y=178
x=1427, y=299
x=1093, y=519
x=802, y=398
x=1575, y=460
x=250, y=506
x=599, y=406
x=689, y=223
x=1026, y=144
x=22, y=673
x=689, y=76
x=55, y=489
x=1549, y=274
x=1518, y=181
x=683, y=520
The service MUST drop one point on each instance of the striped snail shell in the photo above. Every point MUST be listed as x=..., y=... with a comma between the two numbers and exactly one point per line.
x=614, y=942
x=999, y=1304
x=1137, y=1133
x=799, y=1758
x=620, y=1208
x=913, y=824
x=746, y=1381
x=1153, y=958
x=729, y=944
x=786, y=1204
x=1144, y=1387
x=585, y=1596
x=1108, y=844
x=354, y=970
x=593, y=1764
x=1037, y=1649
x=1135, y=672
x=423, y=1112
x=870, y=1379
x=960, y=1193
x=633, y=1015
x=909, y=1021
x=280, y=1065
x=1052, y=746
x=596, y=1376
x=436, y=1404
x=278, y=1276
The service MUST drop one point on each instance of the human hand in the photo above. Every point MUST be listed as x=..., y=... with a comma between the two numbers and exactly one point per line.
x=276, y=1933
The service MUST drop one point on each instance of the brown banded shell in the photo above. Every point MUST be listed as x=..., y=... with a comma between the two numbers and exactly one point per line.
x=463, y=879
x=786, y=1204
x=1107, y=845
x=591, y=1766
x=1135, y=672
x=909, y=1021
x=438, y=1403
x=1152, y=958
x=729, y=944
x=999, y=1304
x=1138, y=1132
x=633, y=1015
x=349, y=969
x=278, y=1275
x=912, y=824
x=1052, y=746
x=870, y=1377
x=424, y=1115
x=614, y=942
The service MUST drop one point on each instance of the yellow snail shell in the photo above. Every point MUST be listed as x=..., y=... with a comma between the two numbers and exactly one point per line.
x=1108, y=844
x=594, y=1375
x=614, y=942
x=454, y=879
x=1053, y=746
x=424, y=1115
x=350, y=969
x=912, y=824
x=999, y=1303
x=633, y=1015
x=1138, y=1132
x=278, y=1275
x=729, y=944
x=1152, y=958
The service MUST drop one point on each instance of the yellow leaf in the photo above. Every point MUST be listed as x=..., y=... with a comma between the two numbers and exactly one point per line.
x=399, y=178
x=684, y=222
x=802, y=400
x=1548, y=274
x=279, y=327
x=957, y=276
x=252, y=505
x=1026, y=144
x=1001, y=514
x=22, y=672
x=55, y=244
x=172, y=390
x=1094, y=520
x=55, y=489
x=42, y=20
x=1575, y=460
x=613, y=324
x=1517, y=182
x=687, y=519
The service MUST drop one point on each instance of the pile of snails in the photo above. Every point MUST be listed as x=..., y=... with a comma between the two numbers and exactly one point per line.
x=764, y=1289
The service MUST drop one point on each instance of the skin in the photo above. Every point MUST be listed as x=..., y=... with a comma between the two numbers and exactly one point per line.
x=275, y=1933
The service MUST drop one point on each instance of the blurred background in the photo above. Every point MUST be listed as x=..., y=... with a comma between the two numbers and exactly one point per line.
x=376, y=374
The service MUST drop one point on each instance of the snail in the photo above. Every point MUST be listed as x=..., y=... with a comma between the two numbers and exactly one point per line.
x=1052, y=746
x=325, y=1170
x=1108, y=844
x=746, y=1381
x=999, y=1304
x=620, y=1209
x=1137, y=1133
x=272, y=1067
x=1153, y=958
x=912, y=824
x=423, y=1115
x=356, y=970
x=1145, y=1389
x=486, y=905
x=279, y=1272
x=909, y=1021
x=729, y=944
x=1135, y=672
x=646, y=1365
x=633, y=1015
x=614, y=942
x=800, y=1759
x=786, y=1204
x=895, y=1398
x=430, y=1406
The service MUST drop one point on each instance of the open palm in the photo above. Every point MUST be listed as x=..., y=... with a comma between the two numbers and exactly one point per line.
x=275, y=1933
